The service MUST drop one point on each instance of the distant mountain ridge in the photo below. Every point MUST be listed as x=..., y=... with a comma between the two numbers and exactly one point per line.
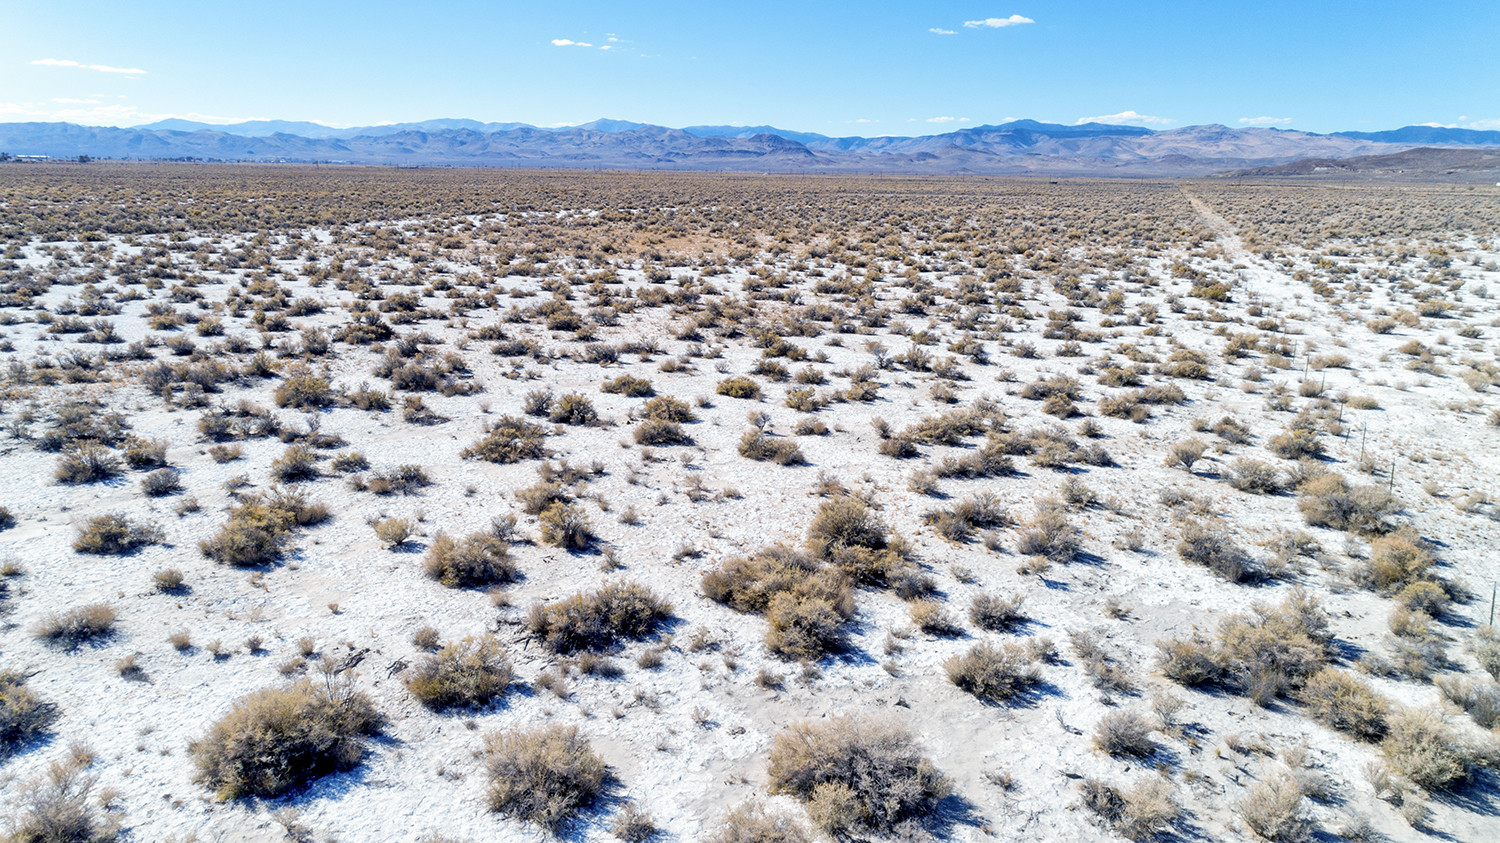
x=1017, y=147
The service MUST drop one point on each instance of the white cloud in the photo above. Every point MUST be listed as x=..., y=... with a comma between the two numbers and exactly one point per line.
x=947, y=120
x=92, y=113
x=937, y=30
x=996, y=23
x=1490, y=124
x=102, y=68
x=1265, y=121
x=71, y=101
x=863, y=120
x=1126, y=118
x=607, y=47
x=564, y=42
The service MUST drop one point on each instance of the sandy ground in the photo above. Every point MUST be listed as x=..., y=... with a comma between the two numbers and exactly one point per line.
x=689, y=739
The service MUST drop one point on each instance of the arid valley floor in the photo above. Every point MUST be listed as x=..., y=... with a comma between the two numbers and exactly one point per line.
x=1043, y=511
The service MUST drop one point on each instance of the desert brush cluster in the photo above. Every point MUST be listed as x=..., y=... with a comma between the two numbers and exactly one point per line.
x=439, y=505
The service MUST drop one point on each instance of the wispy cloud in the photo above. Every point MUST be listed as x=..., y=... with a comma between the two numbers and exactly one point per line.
x=937, y=30
x=1265, y=121
x=1465, y=123
x=1126, y=118
x=564, y=42
x=93, y=112
x=101, y=68
x=996, y=23
x=947, y=120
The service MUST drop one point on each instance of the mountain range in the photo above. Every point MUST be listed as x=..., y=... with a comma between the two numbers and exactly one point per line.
x=1018, y=147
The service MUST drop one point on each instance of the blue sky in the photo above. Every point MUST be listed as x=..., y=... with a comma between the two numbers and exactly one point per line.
x=835, y=68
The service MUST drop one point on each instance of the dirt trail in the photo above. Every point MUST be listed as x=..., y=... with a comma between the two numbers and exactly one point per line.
x=1260, y=277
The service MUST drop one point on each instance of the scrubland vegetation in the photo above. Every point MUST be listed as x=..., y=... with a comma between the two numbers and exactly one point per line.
x=444, y=505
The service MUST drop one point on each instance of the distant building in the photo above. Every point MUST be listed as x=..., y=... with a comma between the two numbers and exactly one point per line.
x=32, y=158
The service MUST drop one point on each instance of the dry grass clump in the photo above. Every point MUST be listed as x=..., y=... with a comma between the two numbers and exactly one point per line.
x=277, y=739
x=1330, y=501
x=113, y=535
x=23, y=716
x=475, y=560
x=1262, y=655
x=753, y=822
x=598, y=619
x=805, y=603
x=1146, y=811
x=1216, y=550
x=544, y=775
x=401, y=480
x=78, y=626
x=933, y=618
x=1274, y=810
x=54, y=808
x=471, y=672
x=1124, y=733
x=1425, y=750
x=1345, y=702
x=508, y=440
x=856, y=776
x=1186, y=453
x=992, y=672
x=260, y=527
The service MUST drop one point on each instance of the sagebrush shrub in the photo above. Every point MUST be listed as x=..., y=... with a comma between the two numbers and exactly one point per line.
x=87, y=462
x=566, y=525
x=659, y=432
x=543, y=775
x=1215, y=550
x=1124, y=733
x=739, y=386
x=806, y=604
x=995, y=613
x=55, y=808
x=304, y=390
x=476, y=560
x=573, y=408
x=856, y=775
x=1395, y=562
x=668, y=409
x=471, y=672
x=1345, y=702
x=1330, y=501
x=594, y=620
x=1274, y=810
x=161, y=482
x=1428, y=752
x=994, y=672
x=113, y=534
x=508, y=440
x=260, y=527
x=758, y=445
x=753, y=822
x=23, y=715
x=1255, y=476
x=277, y=739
